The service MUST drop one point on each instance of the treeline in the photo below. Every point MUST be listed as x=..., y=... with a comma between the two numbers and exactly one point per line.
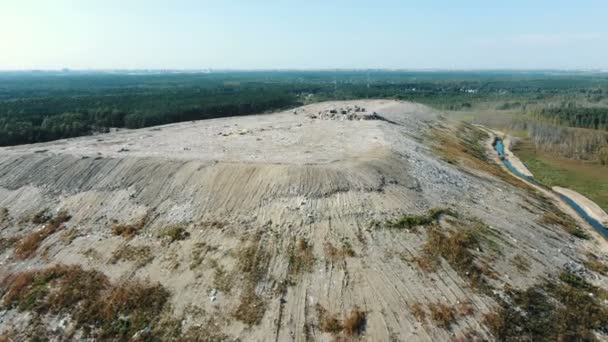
x=595, y=118
x=99, y=116
x=568, y=142
x=43, y=106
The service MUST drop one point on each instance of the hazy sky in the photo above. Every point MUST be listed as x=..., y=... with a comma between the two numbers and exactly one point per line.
x=273, y=34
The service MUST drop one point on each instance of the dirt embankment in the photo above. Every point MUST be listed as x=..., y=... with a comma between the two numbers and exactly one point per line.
x=272, y=227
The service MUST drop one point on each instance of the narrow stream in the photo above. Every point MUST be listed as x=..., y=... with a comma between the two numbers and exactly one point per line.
x=500, y=149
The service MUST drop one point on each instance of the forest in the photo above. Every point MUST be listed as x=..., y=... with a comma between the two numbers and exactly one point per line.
x=41, y=106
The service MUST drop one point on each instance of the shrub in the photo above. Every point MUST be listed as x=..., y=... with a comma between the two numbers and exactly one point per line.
x=26, y=247
x=140, y=255
x=301, y=258
x=442, y=315
x=354, y=322
x=328, y=322
x=174, y=233
x=115, y=311
x=128, y=231
x=409, y=221
x=418, y=311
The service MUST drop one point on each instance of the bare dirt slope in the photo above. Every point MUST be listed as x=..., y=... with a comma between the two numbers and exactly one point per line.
x=266, y=227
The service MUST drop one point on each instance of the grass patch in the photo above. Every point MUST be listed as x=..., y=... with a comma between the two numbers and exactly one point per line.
x=139, y=255
x=587, y=178
x=174, y=233
x=99, y=308
x=563, y=309
x=128, y=231
x=29, y=244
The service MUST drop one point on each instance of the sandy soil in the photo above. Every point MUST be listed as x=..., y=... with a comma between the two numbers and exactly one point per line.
x=266, y=182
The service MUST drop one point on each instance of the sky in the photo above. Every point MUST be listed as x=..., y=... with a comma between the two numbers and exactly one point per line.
x=303, y=34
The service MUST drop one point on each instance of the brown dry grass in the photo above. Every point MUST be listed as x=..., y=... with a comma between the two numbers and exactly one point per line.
x=113, y=311
x=442, y=315
x=354, y=322
x=455, y=248
x=337, y=255
x=26, y=247
x=417, y=310
x=174, y=233
x=328, y=322
x=139, y=255
x=252, y=262
x=301, y=258
x=128, y=231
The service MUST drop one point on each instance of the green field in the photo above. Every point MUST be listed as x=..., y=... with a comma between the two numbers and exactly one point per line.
x=587, y=178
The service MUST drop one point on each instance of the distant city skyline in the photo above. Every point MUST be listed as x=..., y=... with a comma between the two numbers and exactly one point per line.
x=310, y=35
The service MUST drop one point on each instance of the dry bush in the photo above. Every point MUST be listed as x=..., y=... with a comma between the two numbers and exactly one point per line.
x=222, y=280
x=411, y=221
x=337, y=255
x=252, y=262
x=454, y=247
x=26, y=247
x=7, y=242
x=251, y=308
x=140, y=255
x=417, y=310
x=464, y=308
x=128, y=231
x=442, y=315
x=40, y=217
x=495, y=322
x=113, y=311
x=354, y=322
x=328, y=322
x=301, y=258
x=174, y=233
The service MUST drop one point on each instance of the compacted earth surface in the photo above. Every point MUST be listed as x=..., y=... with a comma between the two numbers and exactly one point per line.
x=362, y=220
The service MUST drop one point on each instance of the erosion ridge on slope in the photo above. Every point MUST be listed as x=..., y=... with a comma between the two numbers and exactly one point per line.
x=270, y=226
